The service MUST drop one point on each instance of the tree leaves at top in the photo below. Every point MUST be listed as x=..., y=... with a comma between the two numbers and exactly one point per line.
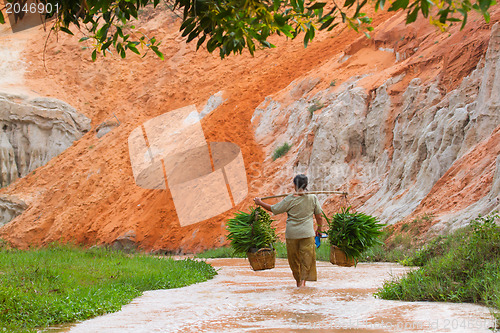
x=231, y=26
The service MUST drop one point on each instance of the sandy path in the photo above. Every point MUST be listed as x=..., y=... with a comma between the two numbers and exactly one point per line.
x=240, y=300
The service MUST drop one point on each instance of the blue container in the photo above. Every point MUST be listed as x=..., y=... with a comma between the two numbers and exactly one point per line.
x=317, y=239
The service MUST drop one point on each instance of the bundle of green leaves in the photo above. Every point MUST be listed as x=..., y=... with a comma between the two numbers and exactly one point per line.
x=247, y=232
x=353, y=233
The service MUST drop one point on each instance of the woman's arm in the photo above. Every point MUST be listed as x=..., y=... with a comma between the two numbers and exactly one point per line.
x=319, y=222
x=261, y=203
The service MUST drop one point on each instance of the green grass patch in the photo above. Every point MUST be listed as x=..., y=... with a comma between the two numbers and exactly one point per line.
x=220, y=252
x=399, y=245
x=395, y=247
x=315, y=107
x=461, y=267
x=281, y=151
x=61, y=284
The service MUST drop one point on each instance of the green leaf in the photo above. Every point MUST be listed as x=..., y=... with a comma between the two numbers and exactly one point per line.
x=317, y=5
x=200, y=41
x=333, y=26
x=464, y=21
x=66, y=30
x=399, y=4
x=358, y=8
x=349, y=3
x=327, y=23
x=379, y=4
x=276, y=5
x=279, y=19
x=267, y=44
x=83, y=39
x=186, y=23
x=106, y=45
x=300, y=3
x=412, y=16
x=486, y=16
x=211, y=44
x=133, y=48
x=251, y=46
x=425, y=7
x=192, y=36
x=158, y=53
x=94, y=55
x=2, y=19
x=306, y=38
x=188, y=29
x=484, y=5
x=287, y=30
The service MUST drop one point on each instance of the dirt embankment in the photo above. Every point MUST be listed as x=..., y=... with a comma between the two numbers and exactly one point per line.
x=88, y=194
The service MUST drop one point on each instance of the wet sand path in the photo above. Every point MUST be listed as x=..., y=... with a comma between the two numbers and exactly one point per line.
x=240, y=300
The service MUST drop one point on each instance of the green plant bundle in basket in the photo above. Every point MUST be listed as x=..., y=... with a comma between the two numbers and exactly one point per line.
x=352, y=234
x=252, y=233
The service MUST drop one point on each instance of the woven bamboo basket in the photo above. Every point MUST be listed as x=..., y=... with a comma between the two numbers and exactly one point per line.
x=338, y=257
x=262, y=259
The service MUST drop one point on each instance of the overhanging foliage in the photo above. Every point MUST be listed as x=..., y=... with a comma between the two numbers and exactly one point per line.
x=232, y=26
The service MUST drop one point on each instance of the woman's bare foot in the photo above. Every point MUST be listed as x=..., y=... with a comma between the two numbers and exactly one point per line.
x=302, y=283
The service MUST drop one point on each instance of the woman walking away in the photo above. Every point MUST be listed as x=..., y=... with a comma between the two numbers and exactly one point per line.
x=300, y=246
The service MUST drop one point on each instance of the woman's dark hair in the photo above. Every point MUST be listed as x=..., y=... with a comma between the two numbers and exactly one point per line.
x=300, y=181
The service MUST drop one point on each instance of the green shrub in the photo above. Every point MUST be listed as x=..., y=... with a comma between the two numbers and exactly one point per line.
x=281, y=150
x=280, y=248
x=462, y=267
x=60, y=284
x=436, y=247
x=353, y=233
x=315, y=106
x=246, y=232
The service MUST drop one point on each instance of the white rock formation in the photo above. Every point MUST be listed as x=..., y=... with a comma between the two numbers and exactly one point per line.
x=213, y=103
x=33, y=131
x=396, y=160
x=10, y=207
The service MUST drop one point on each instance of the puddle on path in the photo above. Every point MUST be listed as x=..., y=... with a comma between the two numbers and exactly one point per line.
x=240, y=300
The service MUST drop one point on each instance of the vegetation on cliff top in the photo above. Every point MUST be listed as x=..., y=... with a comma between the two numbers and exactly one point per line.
x=60, y=284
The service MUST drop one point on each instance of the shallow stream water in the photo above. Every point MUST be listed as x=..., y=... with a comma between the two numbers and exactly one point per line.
x=241, y=300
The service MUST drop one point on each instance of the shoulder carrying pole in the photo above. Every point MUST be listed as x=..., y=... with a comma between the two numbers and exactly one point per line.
x=302, y=193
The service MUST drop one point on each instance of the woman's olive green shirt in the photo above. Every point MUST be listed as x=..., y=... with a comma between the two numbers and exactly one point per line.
x=300, y=209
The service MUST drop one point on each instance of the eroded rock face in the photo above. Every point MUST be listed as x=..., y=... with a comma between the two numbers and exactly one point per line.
x=126, y=242
x=392, y=154
x=10, y=207
x=33, y=131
